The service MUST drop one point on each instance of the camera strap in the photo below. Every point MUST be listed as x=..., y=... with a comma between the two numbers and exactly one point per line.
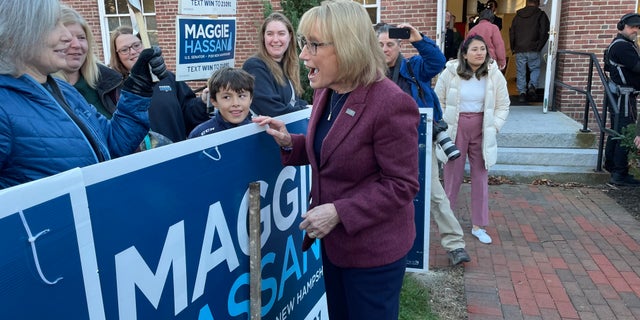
x=413, y=77
x=396, y=69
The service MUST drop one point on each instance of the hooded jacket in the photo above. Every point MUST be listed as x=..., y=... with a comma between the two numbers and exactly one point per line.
x=529, y=30
x=175, y=109
x=108, y=87
x=492, y=36
x=38, y=138
x=496, y=108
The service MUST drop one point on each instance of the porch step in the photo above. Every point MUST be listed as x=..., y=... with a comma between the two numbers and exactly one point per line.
x=565, y=157
x=535, y=145
x=555, y=173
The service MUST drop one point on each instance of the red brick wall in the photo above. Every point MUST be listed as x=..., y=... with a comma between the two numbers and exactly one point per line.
x=421, y=14
x=89, y=10
x=586, y=26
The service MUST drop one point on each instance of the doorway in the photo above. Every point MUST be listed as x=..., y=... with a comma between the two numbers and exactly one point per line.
x=466, y=10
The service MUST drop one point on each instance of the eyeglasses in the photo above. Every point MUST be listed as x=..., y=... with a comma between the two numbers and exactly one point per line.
x=136, y=46
x=311, y=46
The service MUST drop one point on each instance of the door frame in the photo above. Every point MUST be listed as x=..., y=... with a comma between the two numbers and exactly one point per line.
x=552, y=43
x=552, y=50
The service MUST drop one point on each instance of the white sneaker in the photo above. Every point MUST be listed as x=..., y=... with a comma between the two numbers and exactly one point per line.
x=482, y=235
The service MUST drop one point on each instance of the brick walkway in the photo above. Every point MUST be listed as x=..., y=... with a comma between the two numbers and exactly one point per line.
x=557, y=253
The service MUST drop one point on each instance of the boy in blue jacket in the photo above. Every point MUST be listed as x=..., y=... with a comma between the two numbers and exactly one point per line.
x=231, y=93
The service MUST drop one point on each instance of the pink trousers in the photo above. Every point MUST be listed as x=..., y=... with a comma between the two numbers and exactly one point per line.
x=469, y=141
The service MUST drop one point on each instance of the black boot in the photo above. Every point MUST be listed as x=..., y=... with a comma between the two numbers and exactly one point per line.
x=624, y=180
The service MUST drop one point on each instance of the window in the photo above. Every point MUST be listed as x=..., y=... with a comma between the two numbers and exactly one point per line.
x=114, y=13
x=372, y=8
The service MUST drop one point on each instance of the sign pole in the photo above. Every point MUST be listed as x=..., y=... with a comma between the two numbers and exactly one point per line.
x=135, y=9
x=255, y=257
x=137, y=21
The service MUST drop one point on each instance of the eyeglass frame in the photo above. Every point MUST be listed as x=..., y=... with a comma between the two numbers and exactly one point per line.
x=127, y=50
x=312, y=46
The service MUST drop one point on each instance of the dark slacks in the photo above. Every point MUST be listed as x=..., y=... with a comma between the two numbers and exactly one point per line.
x=363, y=293
x=616, y=159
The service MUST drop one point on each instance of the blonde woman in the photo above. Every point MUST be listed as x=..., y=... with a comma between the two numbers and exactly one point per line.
x=361, y=144
x=97, y=83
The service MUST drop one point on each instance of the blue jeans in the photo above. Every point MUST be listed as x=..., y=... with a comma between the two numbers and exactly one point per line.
x=533, y=60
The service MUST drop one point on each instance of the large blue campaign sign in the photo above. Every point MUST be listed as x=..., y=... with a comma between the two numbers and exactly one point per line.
x=161, y=235
x=203, y=45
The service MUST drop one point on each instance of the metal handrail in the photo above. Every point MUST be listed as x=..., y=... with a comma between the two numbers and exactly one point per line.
x=609, y=101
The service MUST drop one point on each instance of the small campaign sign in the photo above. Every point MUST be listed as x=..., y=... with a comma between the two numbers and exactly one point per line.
x=203, y=45
x=207, y=7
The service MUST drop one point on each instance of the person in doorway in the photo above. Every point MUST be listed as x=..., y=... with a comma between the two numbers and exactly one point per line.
x=528, y=34
x=175, y=108
x=276, y=69
x=452, y=38
x=622, y=61
x=493, y=6
x=476, y=99
x=231, y=91
x=414, y=76
x=46, y=125
x=361, y=144
x=492, y=36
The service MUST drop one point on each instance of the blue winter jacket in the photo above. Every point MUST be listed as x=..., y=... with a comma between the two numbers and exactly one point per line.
x=38, y=138
x=428, y=63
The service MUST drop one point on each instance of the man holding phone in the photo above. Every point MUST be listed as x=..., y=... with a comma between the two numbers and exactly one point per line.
x=413, y=76
x=399, y=33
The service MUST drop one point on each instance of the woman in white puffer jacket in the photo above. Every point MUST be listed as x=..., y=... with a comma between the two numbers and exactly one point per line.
x=475, y=100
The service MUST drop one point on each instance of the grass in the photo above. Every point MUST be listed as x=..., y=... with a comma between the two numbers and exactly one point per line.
x=414, y=300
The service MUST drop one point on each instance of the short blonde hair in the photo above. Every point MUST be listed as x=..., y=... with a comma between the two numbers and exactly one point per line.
x=347, y=25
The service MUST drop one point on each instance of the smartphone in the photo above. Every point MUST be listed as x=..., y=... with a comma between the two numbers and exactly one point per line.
x=399, y=33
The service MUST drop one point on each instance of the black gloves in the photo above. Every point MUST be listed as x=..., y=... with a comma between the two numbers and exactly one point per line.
x=139, y=81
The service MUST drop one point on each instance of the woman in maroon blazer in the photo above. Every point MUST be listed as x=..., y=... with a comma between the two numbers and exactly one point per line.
x=362, y=145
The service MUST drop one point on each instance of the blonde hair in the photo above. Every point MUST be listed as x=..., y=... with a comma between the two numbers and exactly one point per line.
x=89, y=69
x=290, y=63
x=346, y=25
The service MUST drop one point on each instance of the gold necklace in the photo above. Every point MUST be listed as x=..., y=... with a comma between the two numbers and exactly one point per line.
x=333, y=105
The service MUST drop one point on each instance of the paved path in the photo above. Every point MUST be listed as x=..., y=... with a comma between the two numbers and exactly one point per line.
x=557, y=253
